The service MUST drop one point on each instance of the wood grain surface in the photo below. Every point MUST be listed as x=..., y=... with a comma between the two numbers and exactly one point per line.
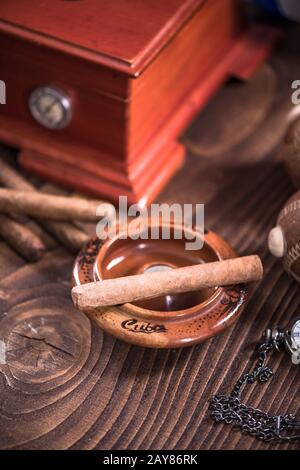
x=128, y=33
x=65, y=384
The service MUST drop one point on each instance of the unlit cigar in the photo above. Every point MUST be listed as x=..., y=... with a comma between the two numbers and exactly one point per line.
x=48, y=206
x=72, y=237
x=89, y=296
x=69, y=234
x=21, y=238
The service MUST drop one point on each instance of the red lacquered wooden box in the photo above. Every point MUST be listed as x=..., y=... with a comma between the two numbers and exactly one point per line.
x=99, y=90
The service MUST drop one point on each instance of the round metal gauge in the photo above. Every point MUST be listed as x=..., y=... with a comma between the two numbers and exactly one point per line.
x=295, y=333
x=50, y=107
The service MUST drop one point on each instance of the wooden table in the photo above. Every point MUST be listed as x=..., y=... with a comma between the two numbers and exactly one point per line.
x=67, y=385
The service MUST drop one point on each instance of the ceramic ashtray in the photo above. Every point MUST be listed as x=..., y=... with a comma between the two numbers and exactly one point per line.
x=169, y=321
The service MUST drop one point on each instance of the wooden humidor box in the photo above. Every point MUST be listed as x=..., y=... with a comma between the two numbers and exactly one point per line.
x=134, y=72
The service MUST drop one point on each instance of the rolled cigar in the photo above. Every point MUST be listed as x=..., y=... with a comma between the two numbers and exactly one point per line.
x=72, y=237
x=21, y=238
x=9, y=176
x=48, y=206
x=89, y=296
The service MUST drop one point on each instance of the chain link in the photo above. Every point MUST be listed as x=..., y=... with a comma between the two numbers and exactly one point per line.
x=230, y=409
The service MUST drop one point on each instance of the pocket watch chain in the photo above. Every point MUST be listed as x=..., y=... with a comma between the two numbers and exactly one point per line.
x=230, y=409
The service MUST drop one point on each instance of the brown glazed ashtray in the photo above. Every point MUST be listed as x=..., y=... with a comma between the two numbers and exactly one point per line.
x=170, y=321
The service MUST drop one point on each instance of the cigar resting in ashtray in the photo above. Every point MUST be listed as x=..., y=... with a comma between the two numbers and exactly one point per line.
x=49, y=206
x=116, y=291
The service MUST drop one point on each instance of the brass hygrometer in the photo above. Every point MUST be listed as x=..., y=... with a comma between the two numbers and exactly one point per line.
x=50, y=107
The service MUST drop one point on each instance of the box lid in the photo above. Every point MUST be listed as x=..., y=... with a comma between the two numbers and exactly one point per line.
x=122, y=34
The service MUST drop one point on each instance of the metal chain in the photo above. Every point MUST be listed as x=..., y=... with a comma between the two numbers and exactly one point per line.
x=230, y=409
